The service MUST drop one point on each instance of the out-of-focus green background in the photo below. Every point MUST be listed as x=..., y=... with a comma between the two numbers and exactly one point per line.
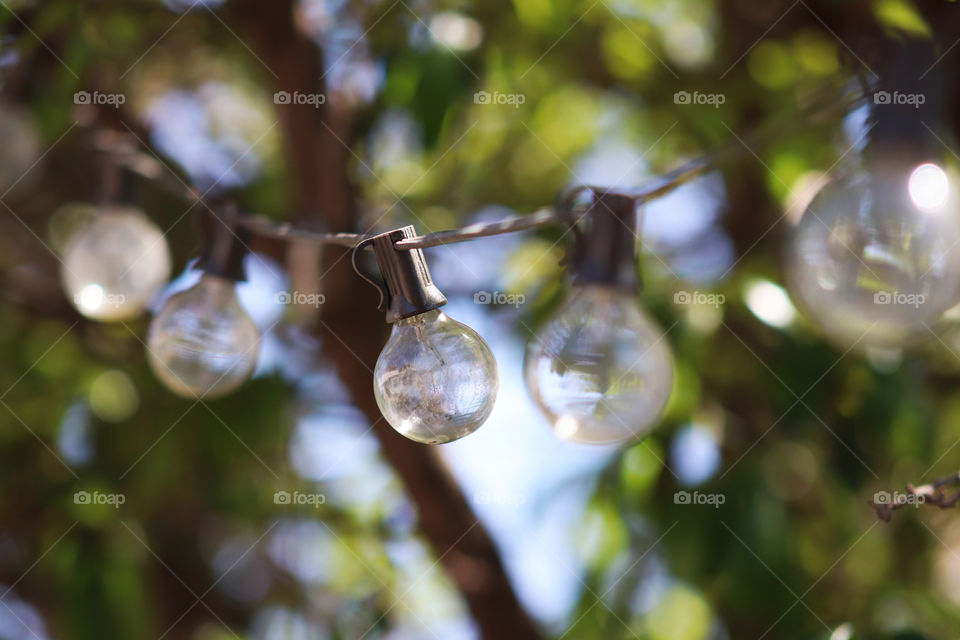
x=437, y=114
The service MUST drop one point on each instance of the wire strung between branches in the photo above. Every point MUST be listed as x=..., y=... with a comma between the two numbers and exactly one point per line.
x=543, y=217
x=263, y=226
x=125, y=154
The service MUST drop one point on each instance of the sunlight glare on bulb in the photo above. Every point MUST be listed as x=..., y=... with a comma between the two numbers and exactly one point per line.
x=929, y=186
x=566, y=427
x=90, y=297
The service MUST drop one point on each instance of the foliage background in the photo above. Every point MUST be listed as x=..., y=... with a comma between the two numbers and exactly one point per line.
x=508, y=533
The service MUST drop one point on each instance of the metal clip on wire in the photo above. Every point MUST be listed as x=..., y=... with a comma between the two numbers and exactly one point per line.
x=404, y=281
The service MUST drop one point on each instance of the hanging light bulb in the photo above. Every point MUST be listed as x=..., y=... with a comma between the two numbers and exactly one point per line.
x=875, y=259
x=435, y=380
x=202, y=343
x=600, y=369
x=115, y=264
x=876, y=256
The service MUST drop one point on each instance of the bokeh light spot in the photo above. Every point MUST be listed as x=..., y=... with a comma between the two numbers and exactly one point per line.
x=770, y=303
x=929, y=186
x=113, y=397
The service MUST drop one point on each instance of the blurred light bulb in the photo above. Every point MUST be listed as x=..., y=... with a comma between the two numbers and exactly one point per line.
x=876, y=255
x=202, y=343
x=114, y=265
x=436, y=380
x=600, y=369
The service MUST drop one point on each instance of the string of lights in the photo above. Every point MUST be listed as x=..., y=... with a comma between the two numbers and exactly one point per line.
x=600, y=368
x=122, y=150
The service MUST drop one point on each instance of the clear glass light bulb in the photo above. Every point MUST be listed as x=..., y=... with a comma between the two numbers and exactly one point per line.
x=436, y=380
x=202, y=343
x=114, y=265
x=876, y=256
x=600, y=370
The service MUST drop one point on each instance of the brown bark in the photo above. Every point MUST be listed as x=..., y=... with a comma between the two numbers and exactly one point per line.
x=352, y=330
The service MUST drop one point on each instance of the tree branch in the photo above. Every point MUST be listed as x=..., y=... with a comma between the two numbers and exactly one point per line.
x=933, y=493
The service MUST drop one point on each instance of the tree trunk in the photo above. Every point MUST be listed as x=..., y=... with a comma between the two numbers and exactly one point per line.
x=352, y=330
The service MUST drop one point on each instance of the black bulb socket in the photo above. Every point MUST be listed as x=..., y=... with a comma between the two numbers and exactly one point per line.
x=605, y=252
x=225, y=247
x=405, y=286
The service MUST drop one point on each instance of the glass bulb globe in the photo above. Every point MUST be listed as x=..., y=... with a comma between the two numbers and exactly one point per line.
x=115, y=264
x=600, y=369
x=202, y=343
x=876, y=256
x=436, y=380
